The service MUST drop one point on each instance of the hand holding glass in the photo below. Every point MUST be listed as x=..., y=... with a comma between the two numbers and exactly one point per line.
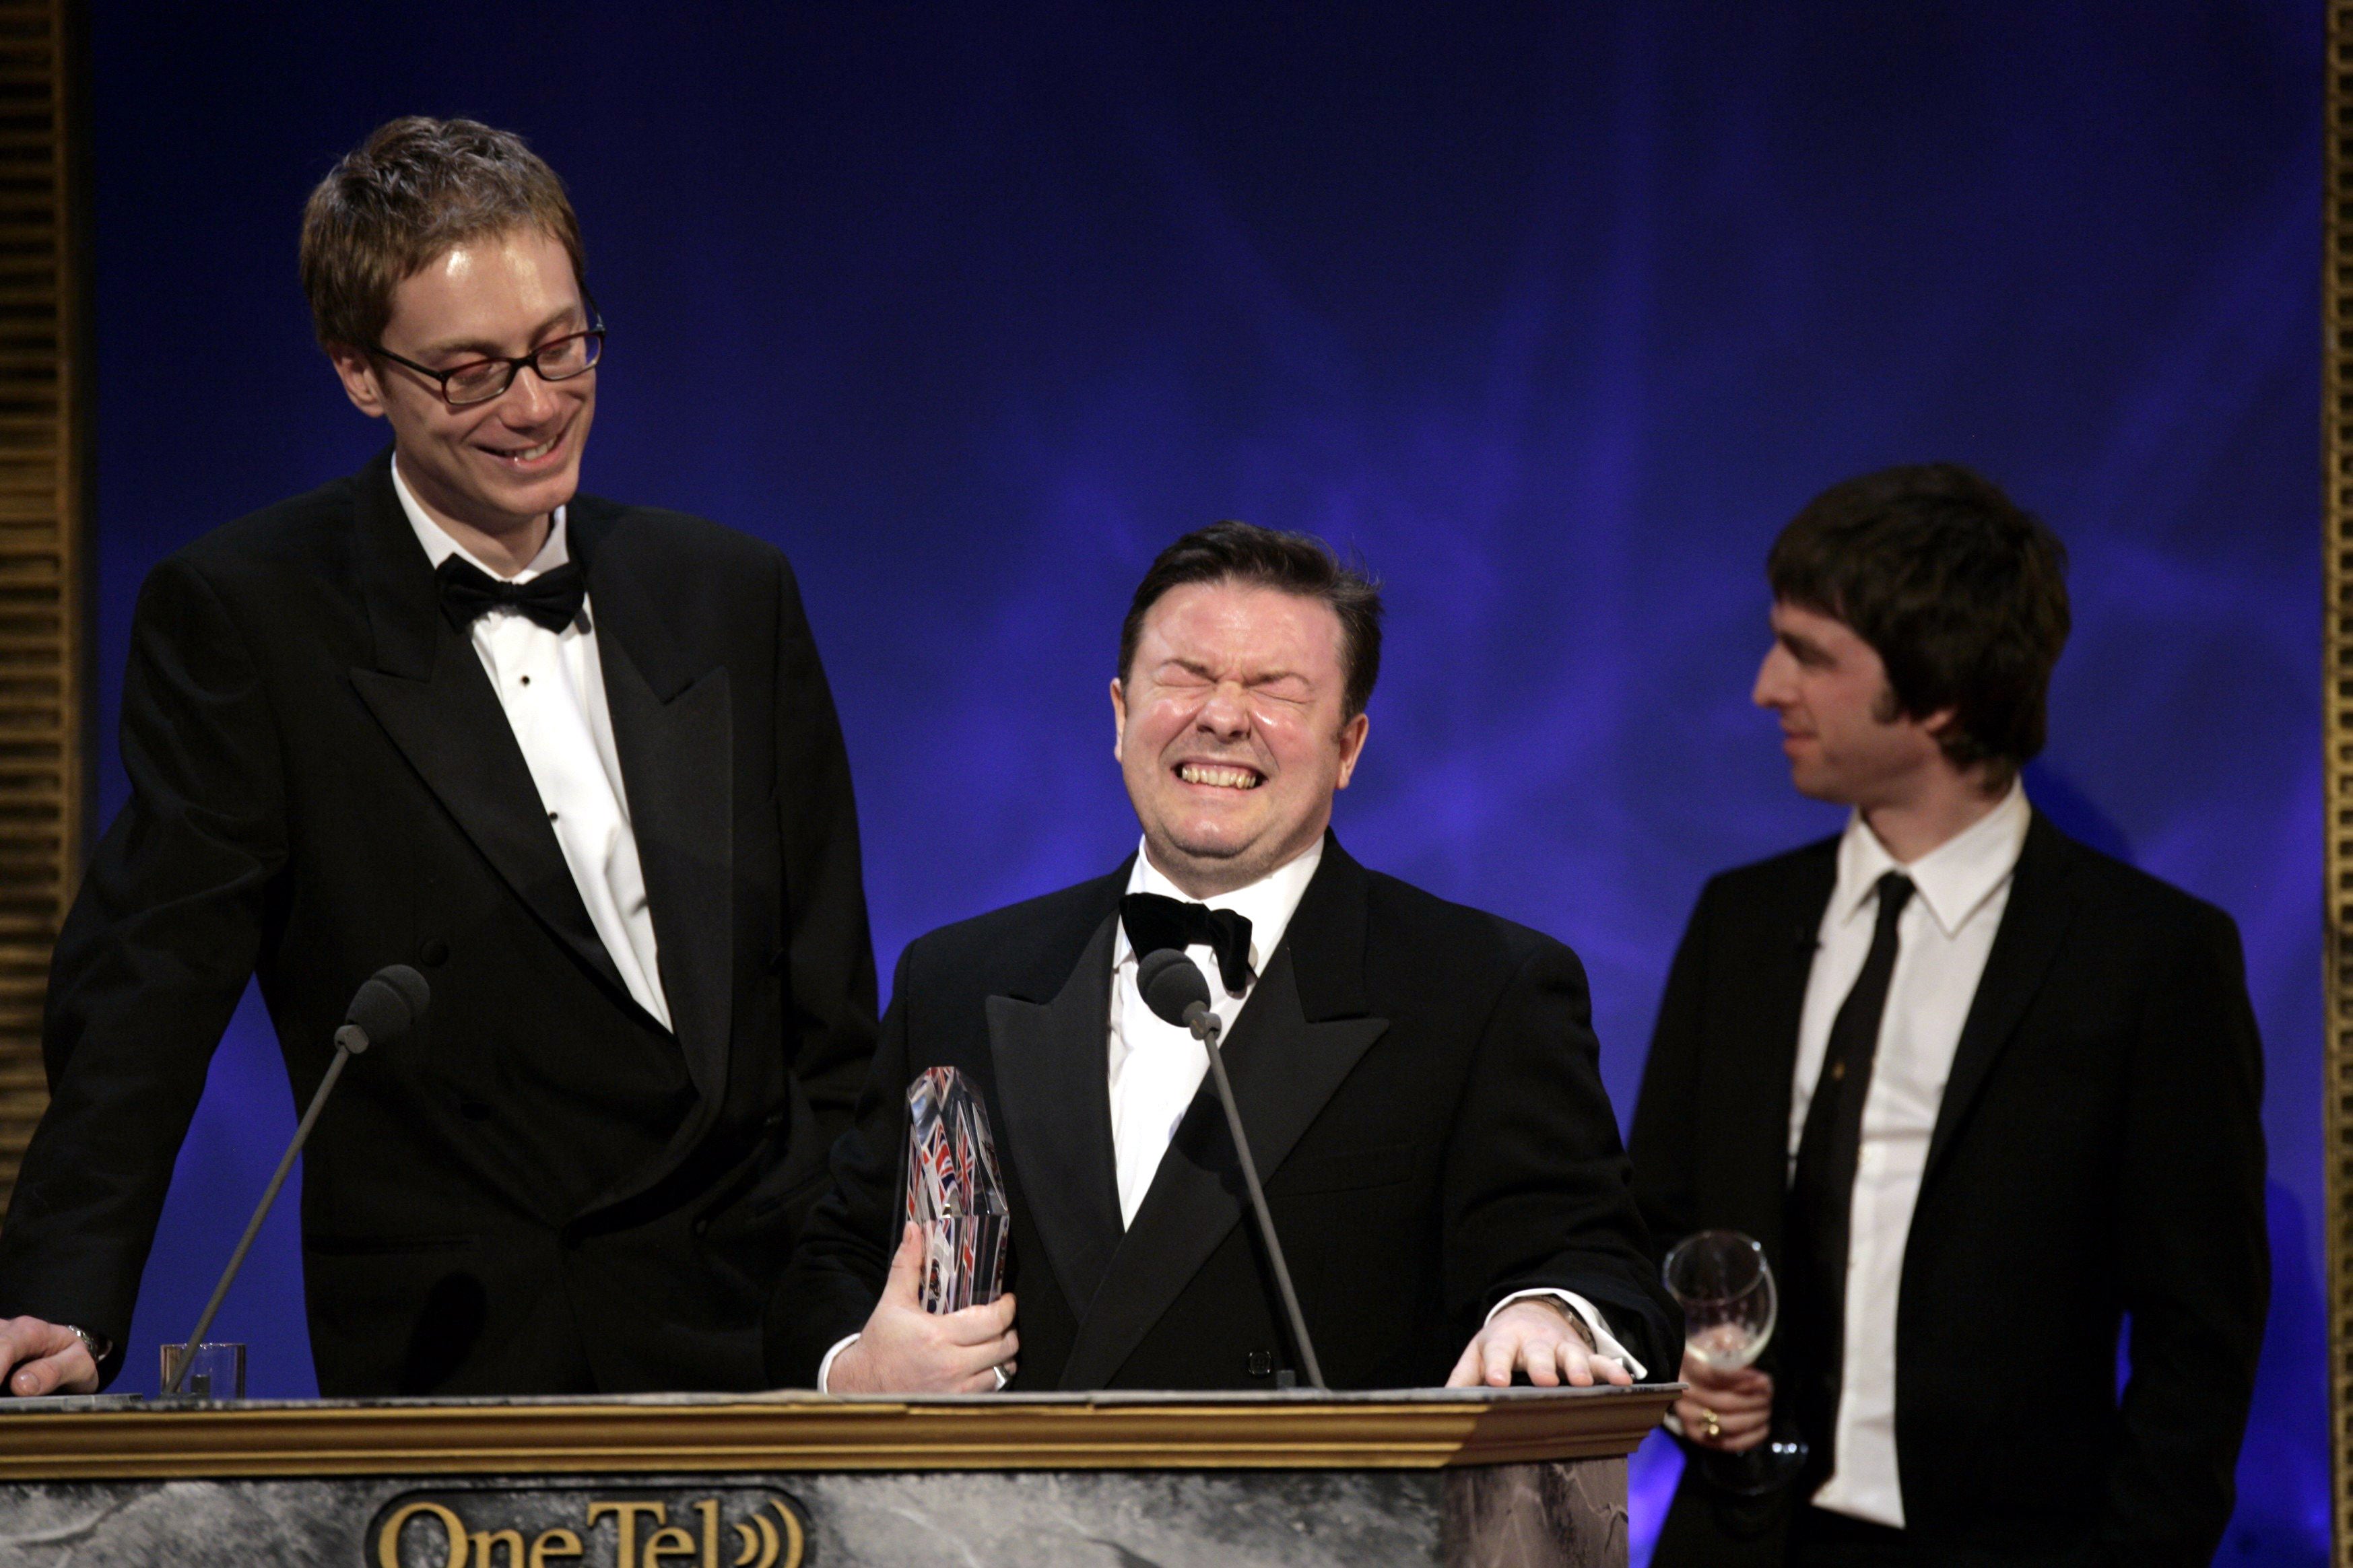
x=1724, y=1287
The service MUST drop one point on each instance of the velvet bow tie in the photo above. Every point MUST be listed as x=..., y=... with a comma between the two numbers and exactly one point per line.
x=1154, y=922
x=467, y=593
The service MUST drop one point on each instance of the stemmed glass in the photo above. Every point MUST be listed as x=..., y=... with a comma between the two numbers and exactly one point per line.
x=1724, y=1287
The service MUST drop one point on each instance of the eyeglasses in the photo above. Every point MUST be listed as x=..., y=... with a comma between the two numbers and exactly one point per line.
x=480, y=379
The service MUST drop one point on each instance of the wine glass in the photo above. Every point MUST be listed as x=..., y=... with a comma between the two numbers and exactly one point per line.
x=1724, y=1287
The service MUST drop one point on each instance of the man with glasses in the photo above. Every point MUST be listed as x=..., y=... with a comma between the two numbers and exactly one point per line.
x=575, y=762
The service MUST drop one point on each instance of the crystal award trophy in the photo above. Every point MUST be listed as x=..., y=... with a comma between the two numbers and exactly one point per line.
x=955, y=1192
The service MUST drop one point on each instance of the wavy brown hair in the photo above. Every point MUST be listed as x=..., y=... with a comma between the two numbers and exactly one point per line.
x=413, y=189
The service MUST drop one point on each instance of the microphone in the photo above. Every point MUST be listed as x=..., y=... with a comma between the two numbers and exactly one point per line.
x=386, y=1006
x=1173, y=988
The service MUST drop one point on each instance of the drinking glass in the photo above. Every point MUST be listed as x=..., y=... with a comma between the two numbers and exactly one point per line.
x=1724, y=1287
x=215, y=1371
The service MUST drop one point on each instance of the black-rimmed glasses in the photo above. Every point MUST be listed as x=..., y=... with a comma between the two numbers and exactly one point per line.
x=480, y=379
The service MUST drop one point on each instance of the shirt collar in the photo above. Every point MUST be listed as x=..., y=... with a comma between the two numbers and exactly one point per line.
x=440, y=546
x=1267, y=903
x=1954, y=879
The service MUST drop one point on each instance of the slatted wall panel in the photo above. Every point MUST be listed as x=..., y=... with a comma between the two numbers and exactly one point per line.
x=43, y=553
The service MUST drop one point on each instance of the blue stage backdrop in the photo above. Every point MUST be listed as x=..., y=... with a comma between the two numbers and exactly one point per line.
x=1555, y=313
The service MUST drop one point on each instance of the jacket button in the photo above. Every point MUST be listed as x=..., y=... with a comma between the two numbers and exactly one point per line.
x=1261, y=1363
x=435, y=952
x=702, y=1227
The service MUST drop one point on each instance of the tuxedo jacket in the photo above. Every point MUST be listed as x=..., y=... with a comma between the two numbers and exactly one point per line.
x=1419, y=1084
x=539, y=1188
x=2098, y=1156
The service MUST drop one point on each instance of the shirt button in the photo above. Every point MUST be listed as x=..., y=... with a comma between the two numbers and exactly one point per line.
x=551, y=816
x=526, y=681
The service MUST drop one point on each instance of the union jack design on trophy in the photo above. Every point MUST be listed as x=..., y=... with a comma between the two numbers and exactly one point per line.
x=955, y=1192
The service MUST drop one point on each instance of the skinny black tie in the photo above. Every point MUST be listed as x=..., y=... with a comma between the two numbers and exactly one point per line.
x=1821, y=1197
x=467, y=593
x=1154, y=922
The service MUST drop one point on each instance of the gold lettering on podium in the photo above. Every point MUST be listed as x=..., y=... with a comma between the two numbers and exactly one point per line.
x=387, y=1534
x=627, y=1514
x=533, y=1527
x=484, y=1539
x=671, y=1542
x=556, y=1542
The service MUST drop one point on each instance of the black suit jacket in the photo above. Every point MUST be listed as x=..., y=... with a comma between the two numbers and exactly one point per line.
x=539, y=1189
x=1420, y=1086
x=2098, y=1154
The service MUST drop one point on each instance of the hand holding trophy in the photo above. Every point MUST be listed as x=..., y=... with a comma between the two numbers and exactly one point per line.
x=954, y=1193
x=944, y=1324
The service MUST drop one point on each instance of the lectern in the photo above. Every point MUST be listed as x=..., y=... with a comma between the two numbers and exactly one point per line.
x=1515, y=1478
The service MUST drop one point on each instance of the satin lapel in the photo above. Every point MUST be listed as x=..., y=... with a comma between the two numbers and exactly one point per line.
x=1286, y=1068
x=2033, y=924
x=1051, y=1061
x=429, y=693
x=678, y=771
x=1785, y=962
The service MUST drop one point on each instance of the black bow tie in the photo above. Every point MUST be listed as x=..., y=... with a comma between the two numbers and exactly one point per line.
x=467, y=593
x=1154, y=922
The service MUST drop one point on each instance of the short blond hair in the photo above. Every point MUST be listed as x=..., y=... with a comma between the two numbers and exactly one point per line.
x=413, y=189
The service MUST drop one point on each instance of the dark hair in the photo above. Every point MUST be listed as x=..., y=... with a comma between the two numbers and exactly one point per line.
x=1297, y=564
x=414, y=188
x=1962, y=594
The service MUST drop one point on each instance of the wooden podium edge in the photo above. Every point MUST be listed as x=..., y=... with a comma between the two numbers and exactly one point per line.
x=812, y=1434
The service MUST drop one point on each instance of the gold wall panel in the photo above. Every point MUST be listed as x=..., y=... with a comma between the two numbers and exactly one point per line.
x=44, y=562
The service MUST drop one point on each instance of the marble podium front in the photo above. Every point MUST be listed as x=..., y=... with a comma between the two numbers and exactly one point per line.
x=1515, y=1478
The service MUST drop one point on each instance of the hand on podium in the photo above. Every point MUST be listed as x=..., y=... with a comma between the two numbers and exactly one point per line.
x=1730, y=1409
x=905, y=1350
x=1540, y=1337
x=46, y=1358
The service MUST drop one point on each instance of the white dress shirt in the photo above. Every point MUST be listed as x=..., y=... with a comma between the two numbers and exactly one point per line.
x=553, y=689
x=1155, y=1069
x=1156, y=1066
x=1944, y=934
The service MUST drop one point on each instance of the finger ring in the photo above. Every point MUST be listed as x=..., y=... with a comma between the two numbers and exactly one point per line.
x=1713, y=1427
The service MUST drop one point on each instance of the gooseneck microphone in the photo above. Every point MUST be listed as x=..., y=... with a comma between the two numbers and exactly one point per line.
x=386, y=1006
x=1173, y=989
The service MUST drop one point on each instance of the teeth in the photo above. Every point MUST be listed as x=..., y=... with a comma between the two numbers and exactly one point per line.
x=1222, y=777
x=543, y=449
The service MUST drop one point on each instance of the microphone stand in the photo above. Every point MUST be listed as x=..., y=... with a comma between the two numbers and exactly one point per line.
x=346, y=1048
x=1206, y=1026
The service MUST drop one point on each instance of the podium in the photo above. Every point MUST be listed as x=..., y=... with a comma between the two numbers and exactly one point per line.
x=1513, y=1478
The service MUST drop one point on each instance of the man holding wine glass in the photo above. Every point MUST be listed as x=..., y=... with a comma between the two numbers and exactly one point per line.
x=1973, y=1094
x=1731, y=1305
